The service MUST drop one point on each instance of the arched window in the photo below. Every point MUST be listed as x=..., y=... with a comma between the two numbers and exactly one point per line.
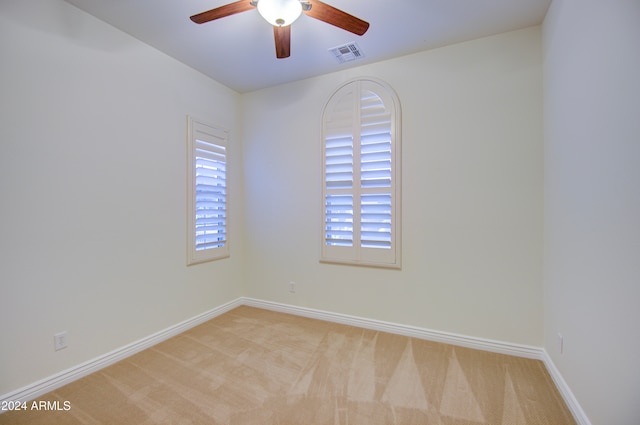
x=361, y=175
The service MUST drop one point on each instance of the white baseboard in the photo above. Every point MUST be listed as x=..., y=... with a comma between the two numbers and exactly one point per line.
x=53, y=382
x=572, y=403
x=411, y=331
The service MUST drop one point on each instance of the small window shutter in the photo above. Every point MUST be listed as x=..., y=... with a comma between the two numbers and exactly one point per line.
x=211, y=196
x=207, y=224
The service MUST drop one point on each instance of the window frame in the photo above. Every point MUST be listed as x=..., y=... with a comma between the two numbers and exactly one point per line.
x=200, y=131
x=357, y=254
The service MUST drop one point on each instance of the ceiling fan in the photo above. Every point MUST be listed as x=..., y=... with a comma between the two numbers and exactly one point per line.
x=282, y=13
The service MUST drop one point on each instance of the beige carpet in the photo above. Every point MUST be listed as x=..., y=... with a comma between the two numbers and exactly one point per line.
x=252, y=366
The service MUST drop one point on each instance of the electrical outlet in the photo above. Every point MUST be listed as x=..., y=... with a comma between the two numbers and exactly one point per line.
x=60, y=341
x=292, y=287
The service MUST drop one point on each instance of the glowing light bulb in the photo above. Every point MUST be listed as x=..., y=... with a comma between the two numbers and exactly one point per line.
x=280, y=12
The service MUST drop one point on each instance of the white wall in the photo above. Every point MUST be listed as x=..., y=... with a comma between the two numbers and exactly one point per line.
x=93, y=190
x=472, y=193
x=92, y=194
x=592, y=202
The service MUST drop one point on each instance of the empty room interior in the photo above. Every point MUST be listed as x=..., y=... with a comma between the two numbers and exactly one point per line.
x=518, y=225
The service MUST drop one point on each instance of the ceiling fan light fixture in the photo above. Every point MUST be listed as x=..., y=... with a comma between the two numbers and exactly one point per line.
x=280, y=12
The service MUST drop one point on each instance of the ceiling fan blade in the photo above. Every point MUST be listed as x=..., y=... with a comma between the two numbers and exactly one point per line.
x=336, y=17
x=282, y=36
x=222, y=11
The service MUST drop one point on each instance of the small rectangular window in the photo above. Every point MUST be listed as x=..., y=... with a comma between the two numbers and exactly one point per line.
x=207, y=182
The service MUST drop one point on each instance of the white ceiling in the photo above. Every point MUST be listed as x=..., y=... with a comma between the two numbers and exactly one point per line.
x=238, y=51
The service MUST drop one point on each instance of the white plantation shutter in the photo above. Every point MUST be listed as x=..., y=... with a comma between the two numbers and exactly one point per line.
x=339, y=174
x=211, y=196
x=207, y=228
x=361, y=175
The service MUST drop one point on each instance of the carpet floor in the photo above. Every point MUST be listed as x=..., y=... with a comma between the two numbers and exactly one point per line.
x=257, y=367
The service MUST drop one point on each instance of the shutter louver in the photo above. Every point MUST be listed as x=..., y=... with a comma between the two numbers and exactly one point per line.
x=375, y=221
x=339, y=162
x=375, y=160
x=339, y=220
x=375, y=142
x=339, y=145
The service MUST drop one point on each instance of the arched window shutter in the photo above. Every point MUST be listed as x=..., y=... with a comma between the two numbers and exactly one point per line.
x=361, y=175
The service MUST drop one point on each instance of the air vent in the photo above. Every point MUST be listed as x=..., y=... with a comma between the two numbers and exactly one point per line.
x=347, y=53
